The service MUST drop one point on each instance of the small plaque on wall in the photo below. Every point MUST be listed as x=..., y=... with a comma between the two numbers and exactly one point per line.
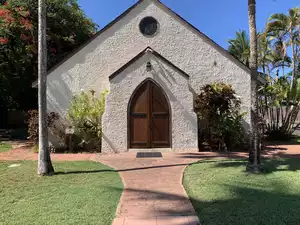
x=69, y=131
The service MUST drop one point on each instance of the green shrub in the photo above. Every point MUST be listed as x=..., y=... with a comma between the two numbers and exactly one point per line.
x=85, y=115
x=35, y=148
x=219, y=106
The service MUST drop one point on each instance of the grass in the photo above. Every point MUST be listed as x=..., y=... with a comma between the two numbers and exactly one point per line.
x=71, y=196
x=223, y=193
x=4, y=147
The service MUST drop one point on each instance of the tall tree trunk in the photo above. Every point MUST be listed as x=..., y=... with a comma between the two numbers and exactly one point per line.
x=254, y=151
x=44, y=161
x=293, y=64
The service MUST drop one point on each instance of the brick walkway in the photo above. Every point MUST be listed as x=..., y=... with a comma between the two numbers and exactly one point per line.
x=153, y=193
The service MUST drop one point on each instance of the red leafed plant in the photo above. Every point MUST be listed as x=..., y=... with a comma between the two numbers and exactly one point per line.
x=3, y=40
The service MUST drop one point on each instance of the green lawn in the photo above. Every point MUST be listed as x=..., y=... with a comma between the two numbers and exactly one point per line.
x=71, y=196
x=223, y=193
x=5, y=147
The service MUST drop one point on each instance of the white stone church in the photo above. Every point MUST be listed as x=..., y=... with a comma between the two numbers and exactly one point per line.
x=153, y=63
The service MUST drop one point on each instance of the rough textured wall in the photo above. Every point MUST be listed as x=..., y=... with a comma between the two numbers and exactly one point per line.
x=179, y=43
x=176, y=87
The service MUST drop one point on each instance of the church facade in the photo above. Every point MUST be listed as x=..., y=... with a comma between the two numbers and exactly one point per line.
x=153, y=63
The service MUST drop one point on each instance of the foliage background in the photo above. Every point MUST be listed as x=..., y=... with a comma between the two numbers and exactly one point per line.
x=67, y=28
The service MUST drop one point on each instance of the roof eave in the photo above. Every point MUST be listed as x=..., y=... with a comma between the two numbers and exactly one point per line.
x=76, y=50
x=142, y=53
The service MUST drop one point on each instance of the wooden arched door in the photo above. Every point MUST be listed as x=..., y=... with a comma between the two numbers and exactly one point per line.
x=149, y=118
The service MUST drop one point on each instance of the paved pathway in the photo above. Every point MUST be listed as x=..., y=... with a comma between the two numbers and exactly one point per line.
x=153, y=193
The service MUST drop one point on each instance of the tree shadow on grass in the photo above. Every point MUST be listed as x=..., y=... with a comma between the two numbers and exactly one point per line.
x=273, y=148
x=250, y=206
x=83, y=172
x=246, y=205
x=211, y=155
x=294, y=140
x=120, y=170
x=269, y=165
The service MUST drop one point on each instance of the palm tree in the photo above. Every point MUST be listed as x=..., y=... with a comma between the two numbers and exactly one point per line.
x=254, y=151
x=44, y=161
x=264, y=54
x=285, y=28
x=240, y=47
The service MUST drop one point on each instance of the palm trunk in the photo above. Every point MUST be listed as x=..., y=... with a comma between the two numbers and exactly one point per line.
x=293, y=64
x=44, y=161
x=254, y=153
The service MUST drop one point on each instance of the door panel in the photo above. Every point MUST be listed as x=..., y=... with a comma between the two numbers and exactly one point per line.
x=149, y=118
x=159, y=101
x=139, y=118
x=139, y=103
x=160, y=131
x=159, y=118
x=139, y=134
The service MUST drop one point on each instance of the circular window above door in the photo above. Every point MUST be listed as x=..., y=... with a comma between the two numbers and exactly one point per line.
x=149, y=26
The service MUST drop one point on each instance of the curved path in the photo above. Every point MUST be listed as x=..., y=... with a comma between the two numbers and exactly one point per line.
x=153, y=193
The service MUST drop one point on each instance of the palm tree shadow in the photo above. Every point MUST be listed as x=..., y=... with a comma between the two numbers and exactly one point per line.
x=247, y=205
x=269, y=165
x=83, y=172
x=121, y=170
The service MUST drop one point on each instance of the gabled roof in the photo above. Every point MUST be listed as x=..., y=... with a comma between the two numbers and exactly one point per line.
x=148, y=50
x=223, y=51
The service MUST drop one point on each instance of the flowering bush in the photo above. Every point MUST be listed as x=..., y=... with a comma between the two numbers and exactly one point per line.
x=12, y=17
x=67, y=28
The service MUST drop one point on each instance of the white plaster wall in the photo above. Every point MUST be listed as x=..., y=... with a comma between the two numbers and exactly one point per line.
x=176, y=87
x=182, y=45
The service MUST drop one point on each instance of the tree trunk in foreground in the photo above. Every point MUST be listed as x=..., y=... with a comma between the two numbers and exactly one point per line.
x=254, y=151
x=44, y=161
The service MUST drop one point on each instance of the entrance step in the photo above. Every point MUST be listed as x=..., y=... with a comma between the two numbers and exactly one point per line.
x=148, y=155
x=150, y=150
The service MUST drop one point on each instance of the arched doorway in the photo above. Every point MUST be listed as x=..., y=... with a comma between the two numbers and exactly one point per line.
x=149, y=117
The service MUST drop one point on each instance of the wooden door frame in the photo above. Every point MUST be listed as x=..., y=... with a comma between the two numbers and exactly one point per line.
x=129, y=107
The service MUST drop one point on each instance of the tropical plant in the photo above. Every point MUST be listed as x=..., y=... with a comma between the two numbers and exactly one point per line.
x=219, y=106
x=280, y=107
x=85, y=115
x=279, y=99
x=271, y=56
x=240, y=47
x=285, y=29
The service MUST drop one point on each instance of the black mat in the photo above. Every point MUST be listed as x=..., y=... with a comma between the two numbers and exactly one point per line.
x=148, y=155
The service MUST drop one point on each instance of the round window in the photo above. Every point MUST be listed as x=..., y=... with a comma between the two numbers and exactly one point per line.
x=148, y=26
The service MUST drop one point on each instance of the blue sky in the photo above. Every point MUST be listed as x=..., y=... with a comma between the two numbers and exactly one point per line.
x=218, y=19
